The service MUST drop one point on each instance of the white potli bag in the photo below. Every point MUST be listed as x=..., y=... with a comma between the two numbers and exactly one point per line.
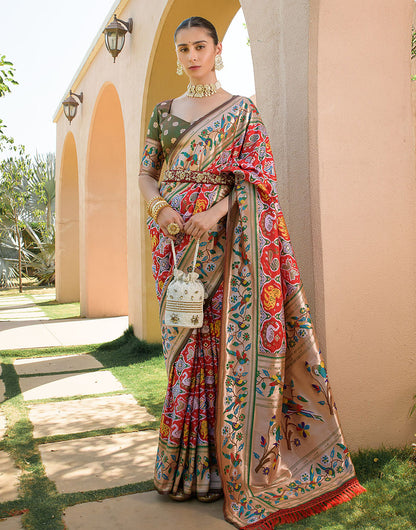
x=185, y=297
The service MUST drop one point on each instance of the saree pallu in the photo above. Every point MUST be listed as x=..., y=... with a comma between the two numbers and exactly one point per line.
x=248, y=398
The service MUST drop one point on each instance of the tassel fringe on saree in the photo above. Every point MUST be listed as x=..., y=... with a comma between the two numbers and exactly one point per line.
x=248, y=407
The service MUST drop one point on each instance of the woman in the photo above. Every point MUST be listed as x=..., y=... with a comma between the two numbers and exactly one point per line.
x=248, y=408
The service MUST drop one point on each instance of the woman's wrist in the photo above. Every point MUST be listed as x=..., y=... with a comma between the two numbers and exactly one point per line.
x=155, y=206
x=220, y=209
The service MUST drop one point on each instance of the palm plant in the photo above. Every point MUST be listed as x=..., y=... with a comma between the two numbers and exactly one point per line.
x=27, y=215
x=13, y=198
x=41, y=202
x=41, y=207
x=41, y=258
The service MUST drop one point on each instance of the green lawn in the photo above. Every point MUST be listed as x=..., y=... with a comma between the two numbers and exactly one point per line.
x=389, y=474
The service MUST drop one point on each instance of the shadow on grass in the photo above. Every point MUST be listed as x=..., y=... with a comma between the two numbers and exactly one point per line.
x=126, y=350
x=139, y=366
x=11, y=381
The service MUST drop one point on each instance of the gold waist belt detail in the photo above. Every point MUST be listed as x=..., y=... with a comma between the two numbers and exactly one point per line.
x=198, y=177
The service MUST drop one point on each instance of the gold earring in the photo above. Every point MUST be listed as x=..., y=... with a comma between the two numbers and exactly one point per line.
x=219, y=65
x=179, y=68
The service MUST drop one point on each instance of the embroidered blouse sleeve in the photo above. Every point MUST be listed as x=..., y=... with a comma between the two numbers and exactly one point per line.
x=152, y=159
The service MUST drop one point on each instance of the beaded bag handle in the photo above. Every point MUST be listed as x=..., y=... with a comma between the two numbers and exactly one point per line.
x=195, y=256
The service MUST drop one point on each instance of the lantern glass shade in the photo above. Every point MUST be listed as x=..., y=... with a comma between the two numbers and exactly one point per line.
x=115, y=35
x=114, y=42
x=70, y=108
x=111, y=40
x=120, y=42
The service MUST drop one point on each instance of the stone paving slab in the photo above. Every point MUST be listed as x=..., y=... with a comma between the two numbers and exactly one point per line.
x=88, y=331
x=146, y=511
x=101, y=461
x=67, y=385
x=82, y=415
x=20, y=314
x=63, y=363
x=66, y=332
x=20, y=308
x=12, y=523
x=2, y=391
x=9, y=480
x=3, y=426
x=12, y=301
x=26, y=334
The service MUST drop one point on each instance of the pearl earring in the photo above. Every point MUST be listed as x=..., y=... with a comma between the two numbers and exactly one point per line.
x=179, y=68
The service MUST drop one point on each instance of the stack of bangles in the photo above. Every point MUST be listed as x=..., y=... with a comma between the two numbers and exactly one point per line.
x=154, y=206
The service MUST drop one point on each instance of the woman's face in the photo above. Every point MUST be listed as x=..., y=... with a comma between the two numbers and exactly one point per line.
x=196, y=52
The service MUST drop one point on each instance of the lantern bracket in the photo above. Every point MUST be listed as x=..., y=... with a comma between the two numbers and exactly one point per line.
x=80, y=96
x=71, y=103
x=128, y=24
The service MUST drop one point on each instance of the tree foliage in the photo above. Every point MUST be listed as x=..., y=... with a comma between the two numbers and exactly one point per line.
x=6, y=75
x=14, y=194
x=6, y=81
x=27, y=216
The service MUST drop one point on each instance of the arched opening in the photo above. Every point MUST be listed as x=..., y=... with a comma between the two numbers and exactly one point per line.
x=67, y=226
x=237, y=76
x=104, y=290
x=279, y=39
x=162, y=83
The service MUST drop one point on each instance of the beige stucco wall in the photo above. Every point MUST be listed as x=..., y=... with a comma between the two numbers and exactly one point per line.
x=161, y=83
x=67, y=223
x=337, y=106
x=363, y=211
x=280, y=51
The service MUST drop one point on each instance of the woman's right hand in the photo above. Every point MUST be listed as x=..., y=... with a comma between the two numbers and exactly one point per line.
x=166, y=216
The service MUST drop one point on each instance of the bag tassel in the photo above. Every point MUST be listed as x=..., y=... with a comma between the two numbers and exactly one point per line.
x=291, y=515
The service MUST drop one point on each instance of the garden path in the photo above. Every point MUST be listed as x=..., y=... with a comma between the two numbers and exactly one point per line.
x=92, y=436
x=78, y=458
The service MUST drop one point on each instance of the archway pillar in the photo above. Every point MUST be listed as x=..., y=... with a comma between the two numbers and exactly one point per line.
x=104, y=283
x=279, y=34
x=363, y=211
x=67, y=277
x=161, y=83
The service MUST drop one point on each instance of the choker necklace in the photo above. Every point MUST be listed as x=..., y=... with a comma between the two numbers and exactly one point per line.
x=200, y=91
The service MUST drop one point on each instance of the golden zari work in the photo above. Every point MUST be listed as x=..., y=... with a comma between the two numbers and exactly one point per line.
x=198, y=177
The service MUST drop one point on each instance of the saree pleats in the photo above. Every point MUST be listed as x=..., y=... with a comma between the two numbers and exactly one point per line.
x=248, y=407
x=186, y=457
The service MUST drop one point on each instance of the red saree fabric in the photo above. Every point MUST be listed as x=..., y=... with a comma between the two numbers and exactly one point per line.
x=248, y=400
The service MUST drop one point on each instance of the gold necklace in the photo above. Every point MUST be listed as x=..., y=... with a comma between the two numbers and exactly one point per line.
x=201, y=91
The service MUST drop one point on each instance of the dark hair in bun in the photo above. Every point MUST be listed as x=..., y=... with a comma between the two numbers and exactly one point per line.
x=198, y=22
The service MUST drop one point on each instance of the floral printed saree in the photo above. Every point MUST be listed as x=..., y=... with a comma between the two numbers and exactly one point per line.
x=248, y=407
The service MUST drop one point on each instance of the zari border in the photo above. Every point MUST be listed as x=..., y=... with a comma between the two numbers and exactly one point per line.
x=344, y=493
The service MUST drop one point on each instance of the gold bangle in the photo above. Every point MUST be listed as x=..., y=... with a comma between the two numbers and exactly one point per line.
x=149, y=204
x=155, y=206
x=153, y=203
x=157, y=209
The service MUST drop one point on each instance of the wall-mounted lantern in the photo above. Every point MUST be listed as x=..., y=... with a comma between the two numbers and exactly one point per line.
x=70, y=105
x=115, y=35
